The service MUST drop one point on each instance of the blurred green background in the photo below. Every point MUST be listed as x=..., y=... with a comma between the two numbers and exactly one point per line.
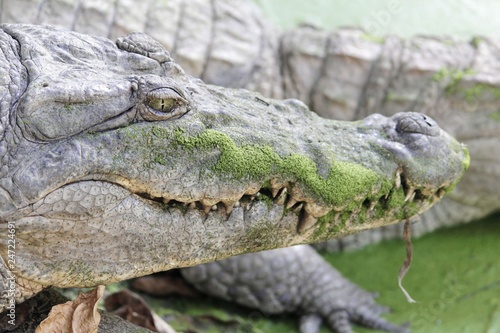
x=382, y=17
x=455, y=275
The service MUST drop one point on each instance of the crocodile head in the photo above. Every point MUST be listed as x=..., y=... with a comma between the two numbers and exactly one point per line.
x=119, y=164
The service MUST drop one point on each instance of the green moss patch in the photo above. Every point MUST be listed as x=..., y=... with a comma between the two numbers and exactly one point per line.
x=346, y=181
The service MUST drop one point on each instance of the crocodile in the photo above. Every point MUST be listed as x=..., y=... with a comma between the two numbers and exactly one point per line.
x=117, y=164
x=216, y=41
x=343, y=74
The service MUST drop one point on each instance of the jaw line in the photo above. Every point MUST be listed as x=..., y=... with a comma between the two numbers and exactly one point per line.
x=306, y=211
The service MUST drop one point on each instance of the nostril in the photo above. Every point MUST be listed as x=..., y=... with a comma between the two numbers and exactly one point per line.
x=412, y=122
x=428, y=121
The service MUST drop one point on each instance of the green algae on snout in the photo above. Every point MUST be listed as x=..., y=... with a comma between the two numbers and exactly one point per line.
x=347, y=183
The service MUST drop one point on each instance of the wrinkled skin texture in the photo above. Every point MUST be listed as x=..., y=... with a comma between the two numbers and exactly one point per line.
x=340, y=75
x=107, y=142
x=208, y=57
x=276, y=281
x=236, y=59
x=83, y=112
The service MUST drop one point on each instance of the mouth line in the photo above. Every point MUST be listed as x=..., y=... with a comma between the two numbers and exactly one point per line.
x=396, y=203
x=308, y=212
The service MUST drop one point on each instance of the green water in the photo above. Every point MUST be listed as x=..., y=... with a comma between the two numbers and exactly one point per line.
x=405, y=18
x=455, y=277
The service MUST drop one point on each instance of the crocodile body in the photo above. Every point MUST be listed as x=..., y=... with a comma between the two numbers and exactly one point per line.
x=343, y=74
x=291, y=280
x=117, y=164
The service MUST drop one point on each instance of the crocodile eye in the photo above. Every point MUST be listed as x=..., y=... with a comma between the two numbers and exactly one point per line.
x=164, y=103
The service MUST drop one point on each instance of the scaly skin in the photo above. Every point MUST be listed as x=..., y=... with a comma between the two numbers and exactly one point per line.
x=294, y=279
x=197, y=35
x=342, y=74
x=106, y=143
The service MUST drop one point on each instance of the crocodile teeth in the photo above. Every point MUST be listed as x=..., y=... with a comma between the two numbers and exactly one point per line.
x=208, y=205
x=291, y=201
x=229, y=204
x=275, y=186
x=306, y=222
x=397, y=181
x=372, y=205
x=298, y=208
x=316, y=210
x=440, y=193
x=207, y=209
x=282, y=197
x=410, y=194
x=192, y=205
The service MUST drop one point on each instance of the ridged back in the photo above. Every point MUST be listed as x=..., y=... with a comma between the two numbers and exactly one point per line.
x=13, y=80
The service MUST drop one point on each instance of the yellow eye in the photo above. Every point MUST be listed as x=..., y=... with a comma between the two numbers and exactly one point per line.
x=162, y=104
x=165, y=105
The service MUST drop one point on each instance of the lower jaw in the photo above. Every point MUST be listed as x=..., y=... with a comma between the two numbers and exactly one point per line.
x=100, y=238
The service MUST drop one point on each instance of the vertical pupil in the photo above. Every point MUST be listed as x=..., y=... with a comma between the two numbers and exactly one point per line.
x=165, y=105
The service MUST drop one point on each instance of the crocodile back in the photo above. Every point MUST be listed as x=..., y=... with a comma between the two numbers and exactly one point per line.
x=13, y=81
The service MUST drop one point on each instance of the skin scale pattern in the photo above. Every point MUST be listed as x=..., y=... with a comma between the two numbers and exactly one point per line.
x=229, y=59
x=118, y=139
x=276, y=281
x=343, y=74
x=216, y=40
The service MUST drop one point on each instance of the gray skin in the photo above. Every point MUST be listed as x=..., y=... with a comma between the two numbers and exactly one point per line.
x=117, y=164
x=216, y=40
x=344, y=74
x=283, y=287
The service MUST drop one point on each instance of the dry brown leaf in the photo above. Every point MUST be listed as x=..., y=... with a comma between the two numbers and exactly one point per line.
x=134, y=309
x=78, y=316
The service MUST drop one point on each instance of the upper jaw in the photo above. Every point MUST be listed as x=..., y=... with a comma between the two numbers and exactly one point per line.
x=294, y=192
